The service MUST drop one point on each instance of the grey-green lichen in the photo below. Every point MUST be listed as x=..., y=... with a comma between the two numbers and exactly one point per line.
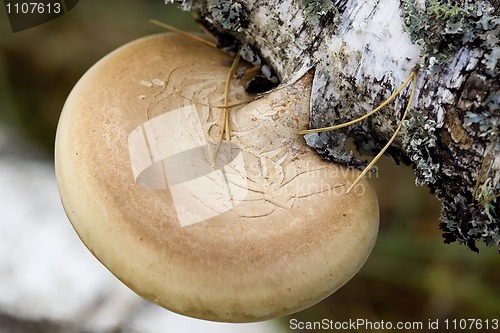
x=454, y=231
x=453, y=13
x=441, y=27
x=487, y=225
x=435, y=23
x=485, y=195
x=488, y=126
x=420, y=139
x=445, y=29
x=315, y=11
x=230, y=14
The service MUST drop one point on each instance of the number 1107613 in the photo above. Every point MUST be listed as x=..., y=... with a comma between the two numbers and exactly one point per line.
x=34, y=8
x=471, y=324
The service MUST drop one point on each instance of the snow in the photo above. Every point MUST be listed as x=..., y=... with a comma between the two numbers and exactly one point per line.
x=47, y=273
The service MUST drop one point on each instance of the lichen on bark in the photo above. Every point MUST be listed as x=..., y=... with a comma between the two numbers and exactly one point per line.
x=461, y=48
x=360, y=52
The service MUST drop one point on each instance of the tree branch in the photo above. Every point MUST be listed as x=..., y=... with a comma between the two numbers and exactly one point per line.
x=361, y=51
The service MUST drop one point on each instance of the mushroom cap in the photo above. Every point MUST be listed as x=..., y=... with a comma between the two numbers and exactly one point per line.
x=259, y=228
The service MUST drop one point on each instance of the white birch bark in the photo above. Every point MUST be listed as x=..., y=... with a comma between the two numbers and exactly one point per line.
x=360, y=52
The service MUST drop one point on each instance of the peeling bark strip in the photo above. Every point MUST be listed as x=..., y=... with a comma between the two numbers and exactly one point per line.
x=361, y=51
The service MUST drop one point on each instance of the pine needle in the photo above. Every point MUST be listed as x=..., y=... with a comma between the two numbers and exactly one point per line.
x=413, y=76
x=334, y=127
x=183, y=33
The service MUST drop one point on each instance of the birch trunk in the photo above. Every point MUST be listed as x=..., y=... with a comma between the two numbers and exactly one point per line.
x=360, y=53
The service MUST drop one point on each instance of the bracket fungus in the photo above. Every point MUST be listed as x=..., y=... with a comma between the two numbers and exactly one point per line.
x=241, y=230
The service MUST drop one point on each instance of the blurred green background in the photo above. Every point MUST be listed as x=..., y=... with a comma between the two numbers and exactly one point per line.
x=411, y=275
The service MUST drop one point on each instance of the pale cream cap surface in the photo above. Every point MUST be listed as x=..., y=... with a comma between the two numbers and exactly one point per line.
x=261, y=229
